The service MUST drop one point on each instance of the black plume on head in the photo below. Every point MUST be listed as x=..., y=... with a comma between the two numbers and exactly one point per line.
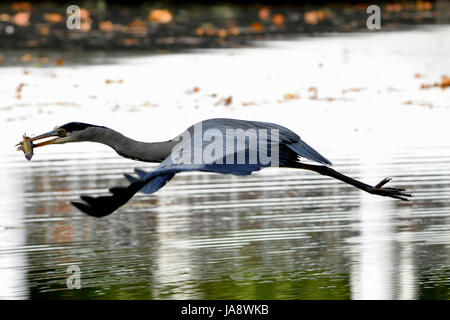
x=76, y=126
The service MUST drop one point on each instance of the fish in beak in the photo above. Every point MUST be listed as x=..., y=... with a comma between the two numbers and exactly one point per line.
x=27, y=145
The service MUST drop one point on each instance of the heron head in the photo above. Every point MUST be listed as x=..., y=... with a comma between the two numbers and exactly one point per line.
x=70, y=132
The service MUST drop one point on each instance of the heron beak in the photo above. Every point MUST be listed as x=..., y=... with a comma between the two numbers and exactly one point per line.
x=43, y=136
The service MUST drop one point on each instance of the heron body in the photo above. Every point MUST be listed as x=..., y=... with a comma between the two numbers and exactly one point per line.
x=209, y=146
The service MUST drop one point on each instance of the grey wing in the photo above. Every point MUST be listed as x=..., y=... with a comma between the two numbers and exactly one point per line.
x=287, y=137
x=192, y=153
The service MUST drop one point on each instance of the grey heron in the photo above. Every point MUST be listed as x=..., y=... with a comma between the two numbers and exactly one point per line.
x=291, y=151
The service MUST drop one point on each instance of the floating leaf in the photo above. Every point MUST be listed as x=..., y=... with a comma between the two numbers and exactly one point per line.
x=290, y=96
x=445, y=82
x=193, y=90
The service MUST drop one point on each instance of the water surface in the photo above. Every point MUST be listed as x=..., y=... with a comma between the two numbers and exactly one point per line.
x=278, y=234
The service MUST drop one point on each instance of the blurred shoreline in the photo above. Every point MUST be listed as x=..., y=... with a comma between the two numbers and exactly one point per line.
x=173, y=27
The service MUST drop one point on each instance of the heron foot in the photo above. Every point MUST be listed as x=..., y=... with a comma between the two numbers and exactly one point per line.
x=396, y=193
x=104, y=205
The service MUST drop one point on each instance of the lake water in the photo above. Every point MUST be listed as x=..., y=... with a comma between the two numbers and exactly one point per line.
x=277, y=234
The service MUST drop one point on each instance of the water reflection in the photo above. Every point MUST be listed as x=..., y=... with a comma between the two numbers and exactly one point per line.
x=279, y=234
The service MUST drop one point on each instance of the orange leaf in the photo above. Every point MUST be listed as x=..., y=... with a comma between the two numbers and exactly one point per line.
x=278, y=19
x=53, y=17
x=256, y=27
x=22, y=19
x=106, y=26
x=160, y=16
x=264, y=13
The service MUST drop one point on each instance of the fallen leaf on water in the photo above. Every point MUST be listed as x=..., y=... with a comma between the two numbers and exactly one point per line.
x=224, y=101
x=19, y=90
x=149, y=104
x=193, y=90
x=290, y=96
x=228, y=100
x=352, y=90
x=418, y=103
x=445, y=82
x=20, y=87
x=109, y=81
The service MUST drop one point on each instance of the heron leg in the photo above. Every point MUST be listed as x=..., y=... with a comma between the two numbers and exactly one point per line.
x=105, y=205
x=378, y=189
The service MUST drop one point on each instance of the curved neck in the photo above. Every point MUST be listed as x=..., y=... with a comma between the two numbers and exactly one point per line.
x=129, y=148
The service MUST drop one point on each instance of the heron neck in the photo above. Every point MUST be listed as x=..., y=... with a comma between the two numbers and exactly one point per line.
x=136, y=150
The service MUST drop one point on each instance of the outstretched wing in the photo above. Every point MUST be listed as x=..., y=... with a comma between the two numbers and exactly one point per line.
x=285, y=138
x=207, y=146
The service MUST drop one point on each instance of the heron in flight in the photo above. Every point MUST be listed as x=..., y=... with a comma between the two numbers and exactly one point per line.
x=292, y=151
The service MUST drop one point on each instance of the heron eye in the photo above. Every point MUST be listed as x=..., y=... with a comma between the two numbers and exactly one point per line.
x=61, y=132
